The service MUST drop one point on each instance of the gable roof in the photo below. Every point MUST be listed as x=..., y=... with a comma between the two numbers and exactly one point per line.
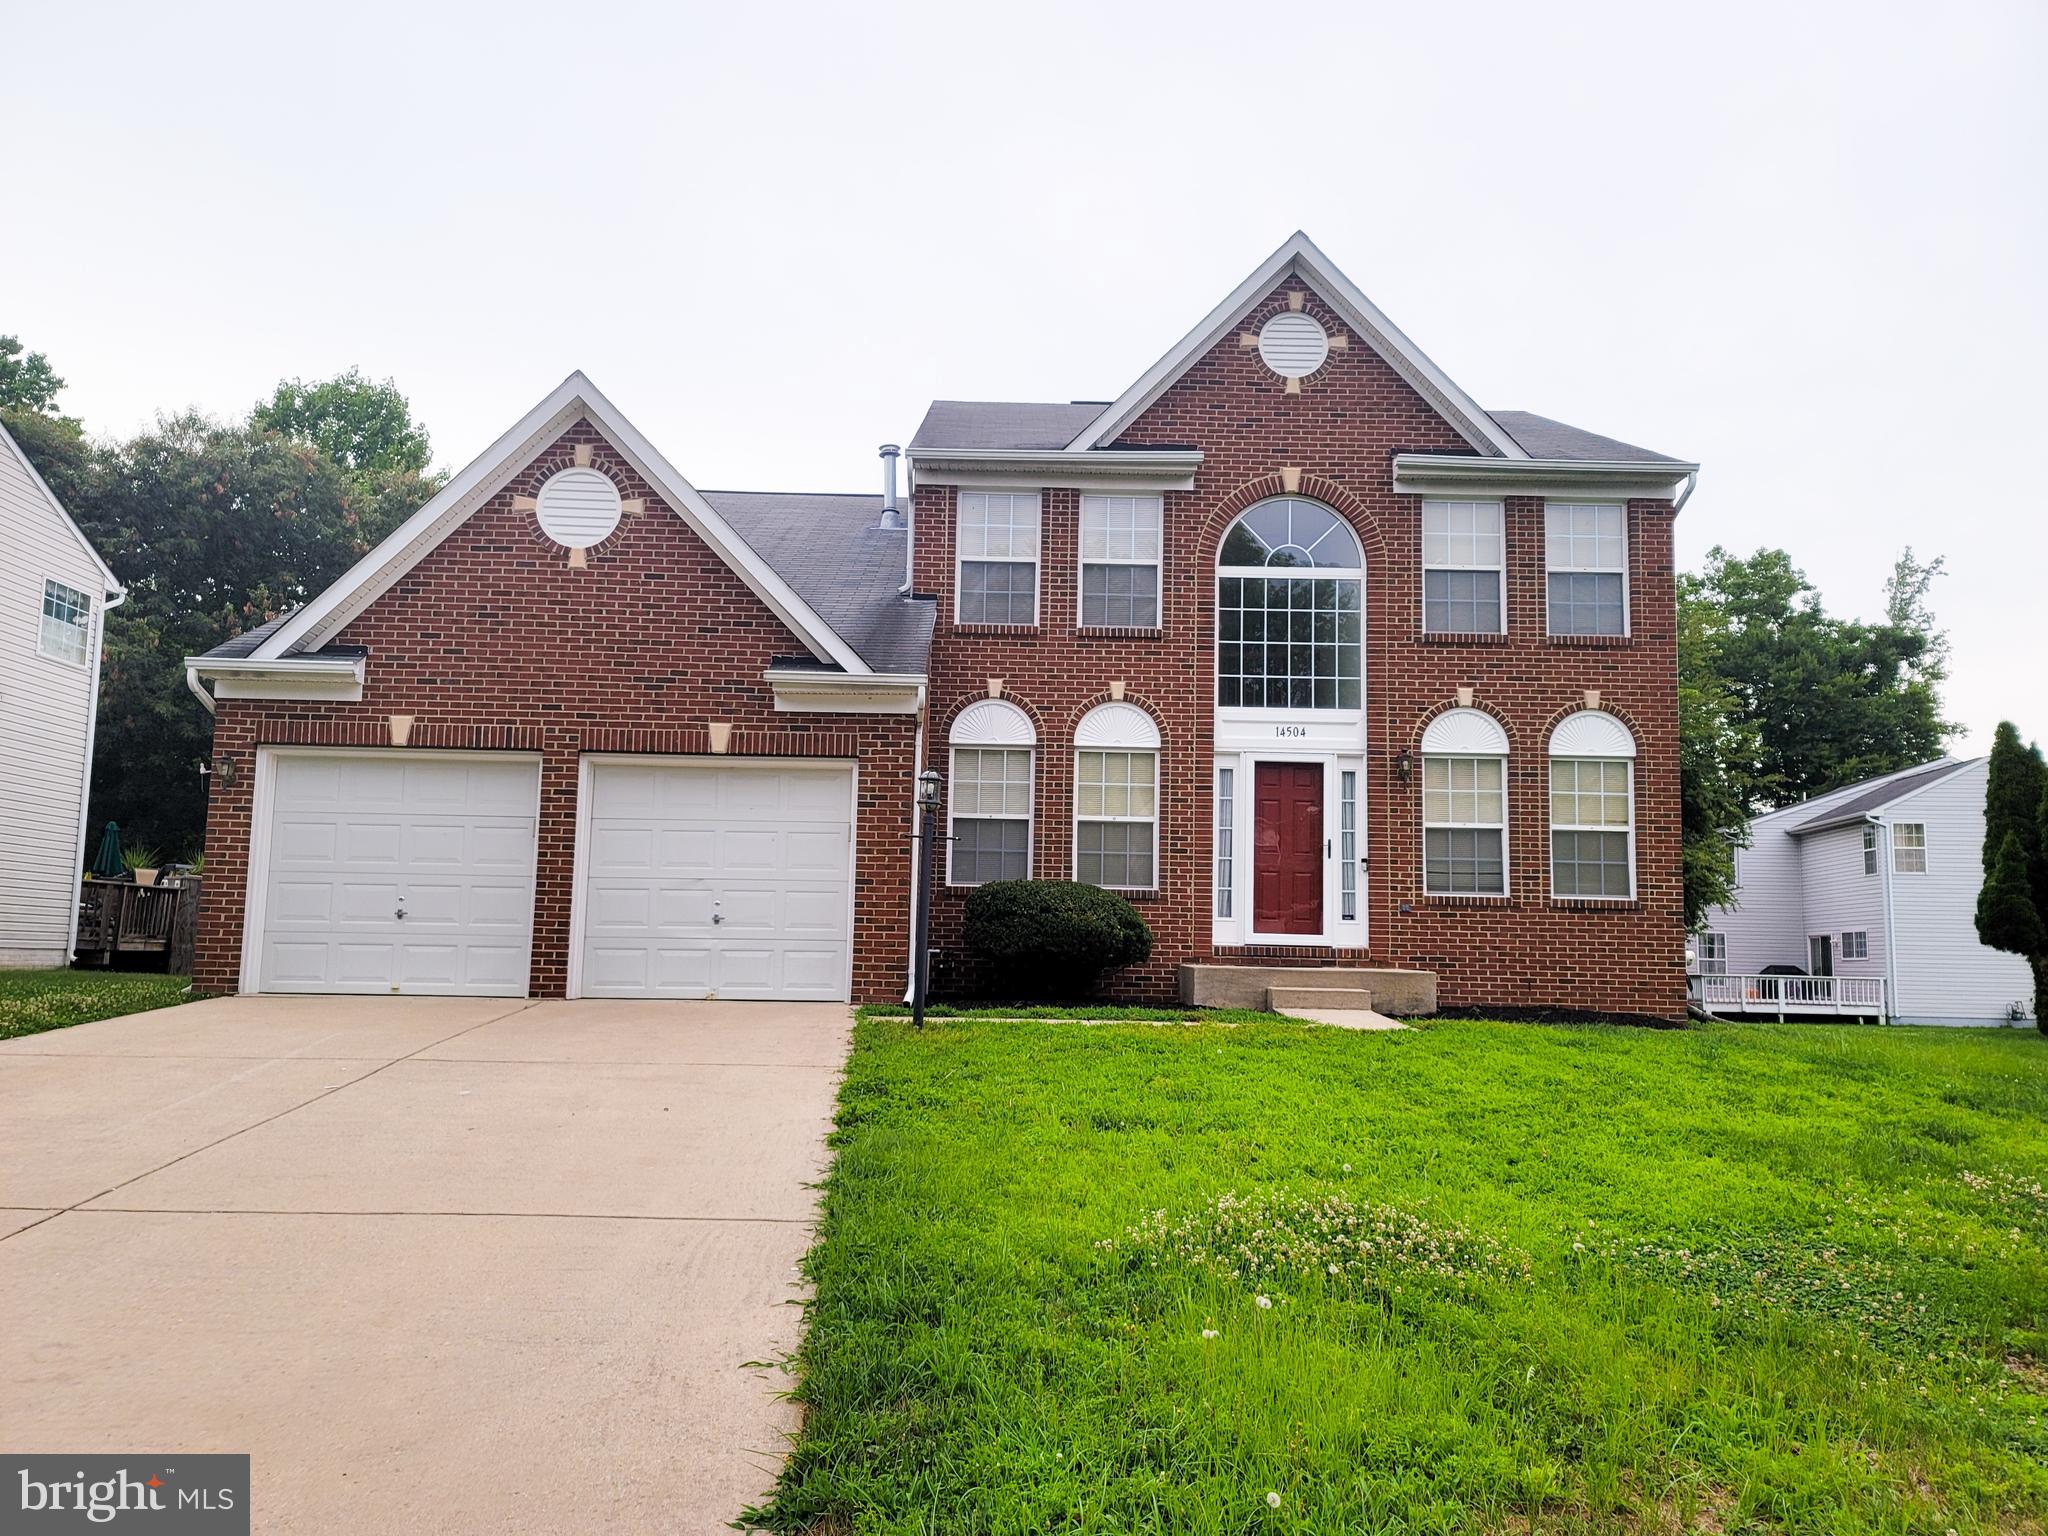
x=574, y=399
x=1298, y=257
x=1002, y=424
x=831, y=549
x=1548, y=439
x=1874, y=795
x=113, y=582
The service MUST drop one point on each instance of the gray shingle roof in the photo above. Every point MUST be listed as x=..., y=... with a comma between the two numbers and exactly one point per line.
x=246, y=642
x=1883, y=792
x=829, y=549
x=1002, y=424
x=1542, y=438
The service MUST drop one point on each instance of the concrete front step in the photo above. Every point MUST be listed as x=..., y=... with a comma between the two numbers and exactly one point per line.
x=1388, y=990
x=1293, y=999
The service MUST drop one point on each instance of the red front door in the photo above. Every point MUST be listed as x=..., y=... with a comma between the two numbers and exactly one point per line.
x=1287, y=859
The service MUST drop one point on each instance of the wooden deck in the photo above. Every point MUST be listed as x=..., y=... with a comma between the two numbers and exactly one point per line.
x=118, y=917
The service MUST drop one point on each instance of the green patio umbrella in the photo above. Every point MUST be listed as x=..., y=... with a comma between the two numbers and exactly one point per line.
x=107, y=865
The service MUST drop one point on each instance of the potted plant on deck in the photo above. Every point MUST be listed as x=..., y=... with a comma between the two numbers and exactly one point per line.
x=142, y=864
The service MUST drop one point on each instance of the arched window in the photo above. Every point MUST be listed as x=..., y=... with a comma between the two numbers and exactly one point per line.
x=1289, y=609
x=1592, y=807
x=1116, y=798
x=988, y=806
x=1464, y=805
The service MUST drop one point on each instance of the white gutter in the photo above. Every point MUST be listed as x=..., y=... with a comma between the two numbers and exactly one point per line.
x=1173, y=468
x=113, y=599
x=1428, y=474
x=1685, y=495
x=1891, y=918
x=332, y=677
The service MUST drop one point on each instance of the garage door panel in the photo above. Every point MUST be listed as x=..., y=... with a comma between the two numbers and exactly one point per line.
x=766, y=851
x=355, y=840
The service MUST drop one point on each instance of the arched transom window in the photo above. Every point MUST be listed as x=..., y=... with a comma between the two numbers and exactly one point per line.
x=1592, y=807
x=1289, y=609
x=989, y=804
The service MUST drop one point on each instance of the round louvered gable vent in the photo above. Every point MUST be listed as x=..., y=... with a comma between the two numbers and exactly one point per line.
x=1293, y=345
x=578, y=508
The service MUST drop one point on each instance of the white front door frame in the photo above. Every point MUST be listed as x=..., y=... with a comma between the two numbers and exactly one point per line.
x=1337, y=931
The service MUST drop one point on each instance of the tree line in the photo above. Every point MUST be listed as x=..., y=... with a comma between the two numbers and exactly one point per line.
x=218, y=526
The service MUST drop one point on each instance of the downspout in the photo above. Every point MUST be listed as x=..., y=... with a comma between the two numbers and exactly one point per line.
x=1891, y=924
x=1685, y=495
x=92, y=728
x=920, y=852
x=198, y=690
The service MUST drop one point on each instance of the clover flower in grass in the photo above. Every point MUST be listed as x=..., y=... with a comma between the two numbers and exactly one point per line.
x=1272, y=1499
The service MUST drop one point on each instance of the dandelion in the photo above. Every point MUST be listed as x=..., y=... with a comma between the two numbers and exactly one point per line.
x=1208, y=1333
x=1273, y=1502
x=1263, y=1303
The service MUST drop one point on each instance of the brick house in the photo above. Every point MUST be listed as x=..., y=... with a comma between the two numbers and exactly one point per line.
x=1332, y=672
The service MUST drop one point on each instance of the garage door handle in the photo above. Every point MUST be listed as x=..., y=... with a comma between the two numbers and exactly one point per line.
x=718, y=917
x=399, y=913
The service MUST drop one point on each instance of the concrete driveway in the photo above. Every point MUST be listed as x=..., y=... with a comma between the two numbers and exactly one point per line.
x=436, y=1264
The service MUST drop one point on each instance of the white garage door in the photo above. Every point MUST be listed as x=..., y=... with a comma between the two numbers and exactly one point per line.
x=399, y=872
x=705, y=881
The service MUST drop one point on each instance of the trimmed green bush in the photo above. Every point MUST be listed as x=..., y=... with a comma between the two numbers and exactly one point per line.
x=1053, y=938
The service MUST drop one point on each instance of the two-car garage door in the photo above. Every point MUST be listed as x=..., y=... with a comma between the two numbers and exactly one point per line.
x=415, y=873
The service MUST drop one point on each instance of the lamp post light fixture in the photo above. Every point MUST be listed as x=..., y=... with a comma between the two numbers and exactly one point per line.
x=928, y=784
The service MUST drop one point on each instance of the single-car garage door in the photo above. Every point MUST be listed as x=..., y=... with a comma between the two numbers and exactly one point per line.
x=398, y=872
x=728, y=880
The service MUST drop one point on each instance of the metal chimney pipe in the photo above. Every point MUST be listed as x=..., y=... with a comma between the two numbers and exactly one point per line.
x=891, y=514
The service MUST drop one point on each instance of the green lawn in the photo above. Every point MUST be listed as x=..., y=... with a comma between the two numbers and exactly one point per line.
x=33, y=1001
x=1517, y=1278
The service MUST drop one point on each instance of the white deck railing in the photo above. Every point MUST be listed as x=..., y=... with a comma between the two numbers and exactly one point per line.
x=1780, y=995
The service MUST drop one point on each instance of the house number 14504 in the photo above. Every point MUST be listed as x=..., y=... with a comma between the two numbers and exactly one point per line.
x=1290, y=730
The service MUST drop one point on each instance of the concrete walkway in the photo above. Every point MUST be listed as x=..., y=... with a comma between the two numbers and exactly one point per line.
x=437, y=1264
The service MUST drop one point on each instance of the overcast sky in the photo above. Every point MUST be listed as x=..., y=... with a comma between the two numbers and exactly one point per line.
x=1804, y=245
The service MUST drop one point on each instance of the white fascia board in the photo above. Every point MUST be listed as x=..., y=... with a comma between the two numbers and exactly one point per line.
x=800, y=691
x=1299, y=255
x=1449, y=474
x=574, y=399
x=338, y=678
x=1158, y=470
x=111, y=583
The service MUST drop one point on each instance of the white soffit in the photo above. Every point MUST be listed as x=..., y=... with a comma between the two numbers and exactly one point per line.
x=574, y=399
x=1592, y=733
x=1299, y=256
x=1460, y=732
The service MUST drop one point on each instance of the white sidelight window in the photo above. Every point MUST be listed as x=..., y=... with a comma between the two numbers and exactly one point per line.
x=67, y=622
x=1464, y=805
x=996, y=580
x=988, y=802
x=1116, y=798
x=1347, y=845
x=1464, y=568
x=1712, y=949
x=1909, y=847
x=1226, y=840
x=1587, y=554
x=1290, y=625
x=1120, y=562
x=1592, y=808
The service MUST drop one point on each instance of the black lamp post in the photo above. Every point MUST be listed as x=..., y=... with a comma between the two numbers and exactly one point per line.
x=927, y=837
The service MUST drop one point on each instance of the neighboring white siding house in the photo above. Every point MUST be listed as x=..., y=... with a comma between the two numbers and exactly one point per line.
x=54, y=593
x=1879, y=879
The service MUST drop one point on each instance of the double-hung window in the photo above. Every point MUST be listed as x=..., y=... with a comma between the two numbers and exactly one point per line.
x=1909, y=847
x=1464, y=574
x=67, y=620
x=1712, y=949
x=1116, y=798
x=997, y=579
x=1856, y=944
x=1592, y=808
x=1587, y=556
x=988, y=802
x=1464, y=805
x=1870, y=850
x=1120, y=562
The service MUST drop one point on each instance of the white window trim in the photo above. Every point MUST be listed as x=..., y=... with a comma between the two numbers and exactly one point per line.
x=1224, y=572
x=1869, y=849
x=1897, y=828
x=1500, y=571
x=1627, y=607
x=1153, y=819
x=1558, y=826
x=1813, y=941
x=1037, y=562
x=83, y=659
x=1507, y=870
x=1082, y=562
x=1861, y=950
x=1222, y=818
x=994, y=725
x=1720, y=958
